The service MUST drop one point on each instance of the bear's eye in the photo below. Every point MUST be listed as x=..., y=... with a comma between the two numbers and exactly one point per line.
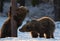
x=27, y=27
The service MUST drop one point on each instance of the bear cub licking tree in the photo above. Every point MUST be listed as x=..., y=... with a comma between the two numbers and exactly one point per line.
x=39, y=27
x=18, y=17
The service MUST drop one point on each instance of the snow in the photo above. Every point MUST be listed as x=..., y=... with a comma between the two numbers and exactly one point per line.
x=26, y=36
x=2, y=19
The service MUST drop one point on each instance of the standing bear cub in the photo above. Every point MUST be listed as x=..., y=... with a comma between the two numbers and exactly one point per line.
x=39, y=27
x=18, y=18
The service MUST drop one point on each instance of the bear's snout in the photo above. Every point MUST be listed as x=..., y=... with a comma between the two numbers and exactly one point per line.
x=21, y=30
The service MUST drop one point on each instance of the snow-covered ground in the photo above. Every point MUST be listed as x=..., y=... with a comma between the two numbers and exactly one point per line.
x=26, y=36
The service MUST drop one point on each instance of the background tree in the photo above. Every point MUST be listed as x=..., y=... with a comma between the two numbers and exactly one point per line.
x=13, y=22
x=1, y=5
x=36, y=2
x=57, y=9
x=21, y=2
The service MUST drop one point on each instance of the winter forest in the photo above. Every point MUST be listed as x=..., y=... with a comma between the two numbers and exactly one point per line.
x=29, y=20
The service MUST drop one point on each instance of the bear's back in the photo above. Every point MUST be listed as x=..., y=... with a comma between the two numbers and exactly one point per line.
x=46, y=21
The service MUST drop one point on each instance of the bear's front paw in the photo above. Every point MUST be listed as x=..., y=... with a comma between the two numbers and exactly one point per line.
x=34, y=34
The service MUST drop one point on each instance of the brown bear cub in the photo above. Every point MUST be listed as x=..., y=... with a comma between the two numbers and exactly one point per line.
x=39, y=27
x=19, y=17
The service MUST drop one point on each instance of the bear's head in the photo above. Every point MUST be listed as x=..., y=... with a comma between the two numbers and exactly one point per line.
x=28, y=27
x=21, y=12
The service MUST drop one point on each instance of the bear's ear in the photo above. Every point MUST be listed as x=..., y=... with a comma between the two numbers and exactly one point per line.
x=33, y=20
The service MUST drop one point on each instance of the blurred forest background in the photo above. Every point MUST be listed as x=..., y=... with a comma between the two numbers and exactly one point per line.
x=39, y=8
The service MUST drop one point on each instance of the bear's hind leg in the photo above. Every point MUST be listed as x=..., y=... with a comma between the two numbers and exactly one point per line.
x=47, y=34
x=3, y=35
x=34, y=34
x=51, y=35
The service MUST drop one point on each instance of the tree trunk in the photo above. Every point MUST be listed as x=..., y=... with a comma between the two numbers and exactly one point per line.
x=57, y=10
x=13, y=23
x=1, y=5
x=22, y=3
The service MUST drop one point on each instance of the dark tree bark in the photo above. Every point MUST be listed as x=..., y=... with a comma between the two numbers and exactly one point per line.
x=13, y=22
x=57, y=10
x=1, y=5
x=36, y=2
x=22, y=2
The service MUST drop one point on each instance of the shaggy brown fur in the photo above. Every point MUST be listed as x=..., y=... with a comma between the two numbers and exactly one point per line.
x=40, y=26
x=19, y=17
